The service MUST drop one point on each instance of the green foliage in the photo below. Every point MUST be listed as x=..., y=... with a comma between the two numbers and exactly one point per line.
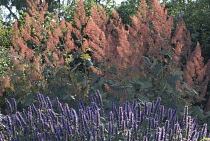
x=5, y=61
x=66, y=10
x=205, y=139
x=5, y=32
x=158, y=81
x=127, y=9
x=5, y=43
x=196, y=15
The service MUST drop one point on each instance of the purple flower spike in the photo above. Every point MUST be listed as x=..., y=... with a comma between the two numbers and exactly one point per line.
x=99, y=98
x=101, y=128
x=134, y=104
x=120, y=116
x=75, y=117
x=23, y=123
x=157, y=104
x=163, y=134
x=9, y=122
x=60, y=107
x=111, y=116
x=166, y=126
x=97, y=119
x=2, y=138
x=152, y=109
x=145, y=138
x=185, y=113
x=40, y=137
x=14, y=105
x=49, y=104
x=193, y=135
x=42, y=102
x=34, y=110
x=145, y=109
x=110, y=128
x=203, y=133
x=92, y=98
x=158, y=134
x=81, y=104
x=9, y=106
x=129, y=135
x=161, y=114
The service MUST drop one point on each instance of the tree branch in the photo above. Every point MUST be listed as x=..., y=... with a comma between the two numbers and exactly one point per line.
x=13, y=14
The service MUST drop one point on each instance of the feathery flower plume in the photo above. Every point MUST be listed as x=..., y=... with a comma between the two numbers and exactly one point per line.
x=196, y=73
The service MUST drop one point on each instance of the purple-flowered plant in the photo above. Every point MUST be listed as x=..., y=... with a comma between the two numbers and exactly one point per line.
x=132, y=121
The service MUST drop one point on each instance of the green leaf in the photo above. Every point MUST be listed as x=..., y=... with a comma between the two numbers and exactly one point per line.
x=197, y=111
x=171, y=79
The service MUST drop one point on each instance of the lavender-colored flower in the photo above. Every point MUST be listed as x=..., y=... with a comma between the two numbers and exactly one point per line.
x=52, y=114
x=203, y=132
x=134, y=104
x=14, y=105
x=193, y=135
x=13, y=128
x=124, y=126
x=49, y=103
x=145, y=109
x=111, y=116
x=60, y=107
x=34, y=110
x=42, y=102
x=114, y=110
x=70, y=130
x=94, y=134
x=131, y=119
x=99, y=98
x=145, y=138
x=94, y=106
x=9, y=122
x=23, y=123
x=152, y=109
x=110, y=128
x=97, y=119
x=188, y=127
x=157, y=104
x=135, y=131
x=92, y=99
x=120, y=116
x=161, y=113
x=101, y=129
x=163, y=134
x=166, y=126
x=158, y=134
x=75, y=117
x=128, y=121
x=129, y=135
x=9, y=106
x=185, y=113
x=17, y=121
x=2, y=138
x=81, y=104
x=40, y=136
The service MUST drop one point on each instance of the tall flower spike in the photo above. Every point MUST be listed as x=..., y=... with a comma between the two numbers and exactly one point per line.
x=14, y=105
x=182, y=41
x=9, y=106
x=101, y=128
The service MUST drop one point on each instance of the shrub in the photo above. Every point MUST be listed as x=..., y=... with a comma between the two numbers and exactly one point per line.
x=130, y=121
